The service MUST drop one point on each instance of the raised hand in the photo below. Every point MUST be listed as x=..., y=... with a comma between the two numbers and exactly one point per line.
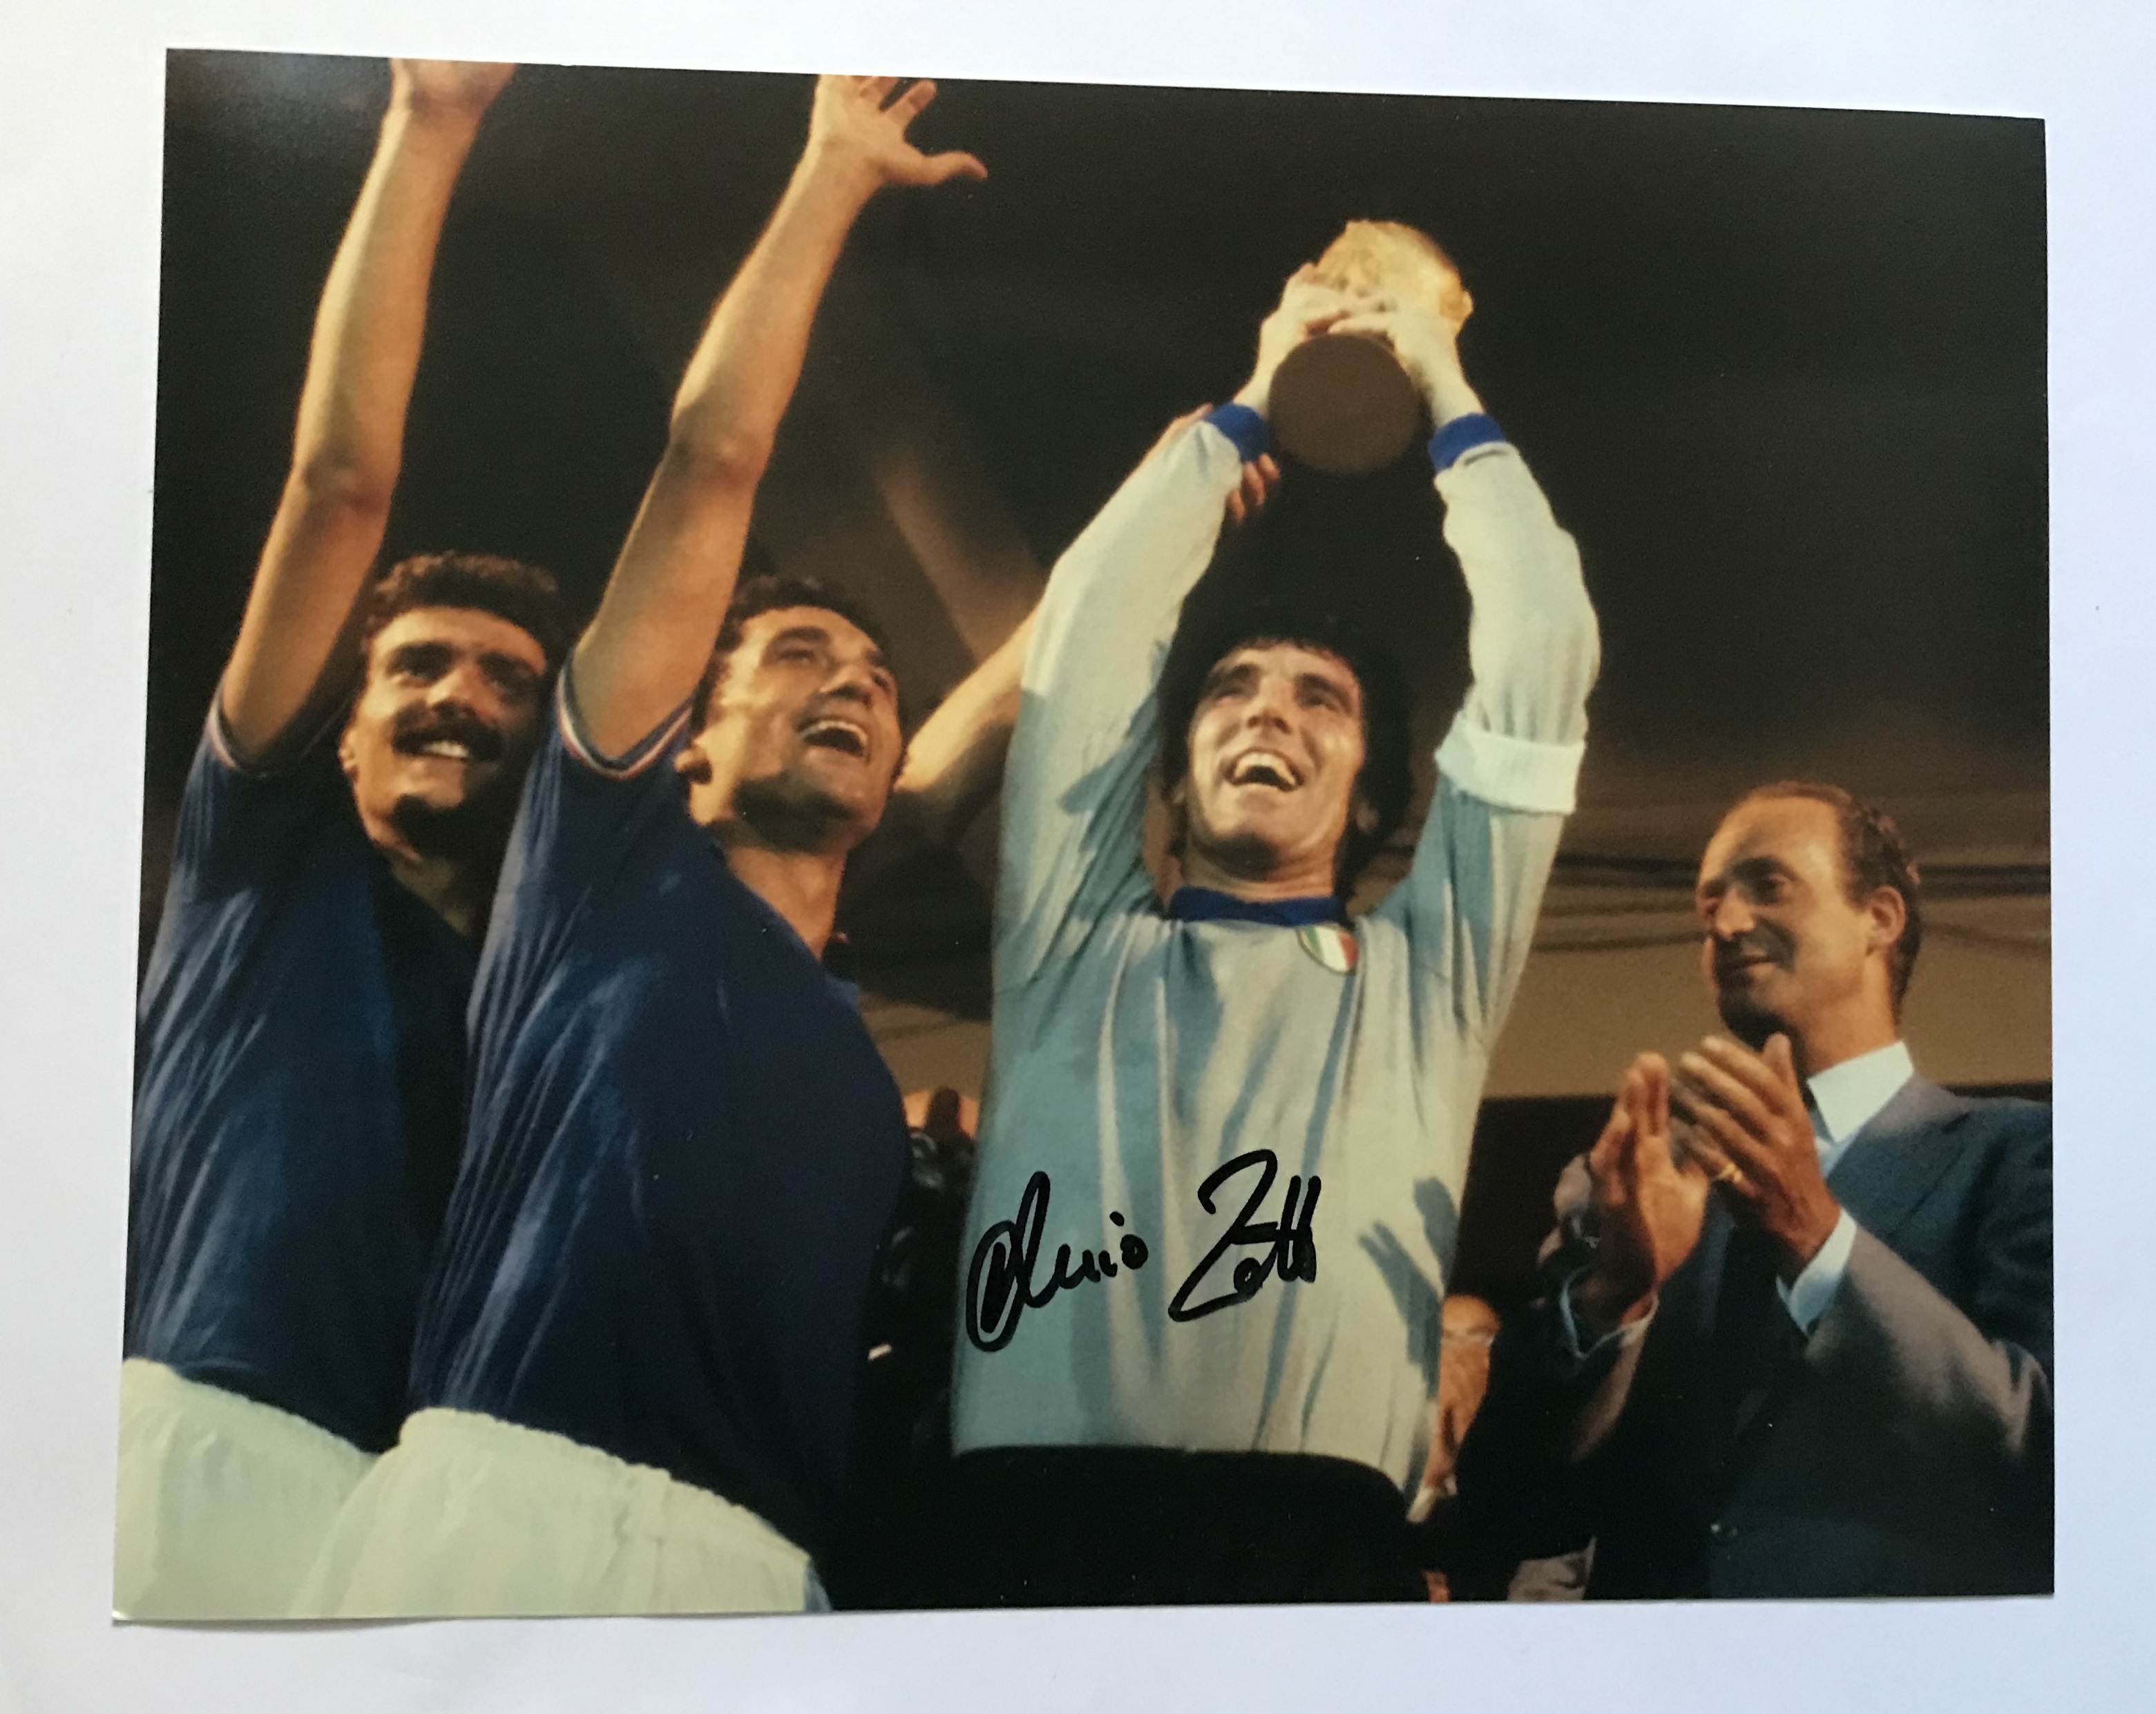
x=294, y=656
x=1307, y=308
x=857, y=131
x=1248, y=498
x=448, y=89
x=1648, y=1205
x=1751, y=1130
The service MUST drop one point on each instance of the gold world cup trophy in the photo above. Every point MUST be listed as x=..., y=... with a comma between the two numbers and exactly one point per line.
x=1340, y=402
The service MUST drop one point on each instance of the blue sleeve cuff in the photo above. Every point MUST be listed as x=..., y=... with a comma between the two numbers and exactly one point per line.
x=1244, y=426
x=1460, y=435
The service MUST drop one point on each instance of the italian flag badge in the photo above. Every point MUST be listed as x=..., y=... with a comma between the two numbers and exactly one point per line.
x=1330, y=945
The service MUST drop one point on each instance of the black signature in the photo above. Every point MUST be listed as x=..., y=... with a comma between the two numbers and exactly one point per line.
x=1000, y=1283
x=1291, y=1250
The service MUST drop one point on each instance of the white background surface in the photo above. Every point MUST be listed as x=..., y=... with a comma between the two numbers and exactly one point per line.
x=80, y=97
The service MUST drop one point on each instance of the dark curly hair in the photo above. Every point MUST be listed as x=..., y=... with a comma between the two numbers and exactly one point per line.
x=508, y=589
x=1208, y=635
x=766, y=592
x=1873, y=855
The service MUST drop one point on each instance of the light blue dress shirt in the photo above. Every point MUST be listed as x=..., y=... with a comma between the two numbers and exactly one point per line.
x=1845, y=1099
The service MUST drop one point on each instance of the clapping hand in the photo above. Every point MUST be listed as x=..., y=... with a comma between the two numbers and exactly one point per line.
x=1751, y=1131
x=1648, y=1203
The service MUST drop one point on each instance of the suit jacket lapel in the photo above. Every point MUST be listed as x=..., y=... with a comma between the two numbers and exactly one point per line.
x=1896, y=1158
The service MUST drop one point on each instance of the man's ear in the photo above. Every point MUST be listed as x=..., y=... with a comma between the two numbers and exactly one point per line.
x=1888, y=914
x=1363, y=814
x=348, y=755
x=1176, y=799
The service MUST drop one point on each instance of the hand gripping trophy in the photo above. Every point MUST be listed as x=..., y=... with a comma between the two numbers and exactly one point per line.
x=1340, y=402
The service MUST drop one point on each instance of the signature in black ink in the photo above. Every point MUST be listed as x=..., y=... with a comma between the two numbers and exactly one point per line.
x=1291, y=1247
x=999, y=1283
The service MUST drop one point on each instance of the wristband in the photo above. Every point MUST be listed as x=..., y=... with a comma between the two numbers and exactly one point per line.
x=1243, y=426
x=1460, y=435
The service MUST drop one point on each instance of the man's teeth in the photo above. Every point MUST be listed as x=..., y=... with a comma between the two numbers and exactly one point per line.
x=844, y=732
x=1263, y=768
x=454, y=748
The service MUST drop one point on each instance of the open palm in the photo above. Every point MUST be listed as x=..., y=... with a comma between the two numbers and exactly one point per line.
x=1648, y=1203
x=857, y=118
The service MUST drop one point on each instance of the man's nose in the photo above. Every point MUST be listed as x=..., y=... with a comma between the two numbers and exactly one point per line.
x=853, y=680
x=1732, y=918
x=1269, y=707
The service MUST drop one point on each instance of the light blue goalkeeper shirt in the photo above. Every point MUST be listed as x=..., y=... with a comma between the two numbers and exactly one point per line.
x=1238, y=1146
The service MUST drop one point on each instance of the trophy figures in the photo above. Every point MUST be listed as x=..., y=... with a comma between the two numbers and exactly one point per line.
x=1340, y=402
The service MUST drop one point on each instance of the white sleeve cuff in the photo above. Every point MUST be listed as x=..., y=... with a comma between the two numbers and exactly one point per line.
x=1807, y=1296
x=1624, y=1334
x=638, y=757
x=1511, y=773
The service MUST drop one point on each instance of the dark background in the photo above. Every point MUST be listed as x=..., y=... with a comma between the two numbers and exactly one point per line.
x=1780, y=372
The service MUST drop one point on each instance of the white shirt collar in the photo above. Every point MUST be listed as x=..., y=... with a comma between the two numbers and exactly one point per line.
x=1847, y=1097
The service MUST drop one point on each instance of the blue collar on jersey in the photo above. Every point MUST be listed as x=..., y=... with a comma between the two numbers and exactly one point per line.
x=1205, y=905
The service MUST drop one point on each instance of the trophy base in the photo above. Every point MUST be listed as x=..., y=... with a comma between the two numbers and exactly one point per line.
x=1341, y=402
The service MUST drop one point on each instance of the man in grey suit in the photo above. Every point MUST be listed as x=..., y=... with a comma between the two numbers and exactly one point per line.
x=1804, y=1345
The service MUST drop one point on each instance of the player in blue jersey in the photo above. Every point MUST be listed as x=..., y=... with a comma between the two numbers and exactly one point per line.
x=635, y=1373
x=301, y=1058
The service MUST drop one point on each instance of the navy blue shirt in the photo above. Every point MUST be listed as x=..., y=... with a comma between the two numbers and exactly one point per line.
x=684, y=1149
x=300, y=1062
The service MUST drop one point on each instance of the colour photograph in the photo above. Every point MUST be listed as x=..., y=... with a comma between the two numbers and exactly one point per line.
x=918, y=843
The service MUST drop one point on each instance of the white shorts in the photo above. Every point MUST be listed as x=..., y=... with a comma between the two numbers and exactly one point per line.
x=468, y=1515
x=223, y=1502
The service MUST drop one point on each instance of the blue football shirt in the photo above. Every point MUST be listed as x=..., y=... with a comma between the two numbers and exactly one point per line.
x=300, y=1063
x=684, y=1150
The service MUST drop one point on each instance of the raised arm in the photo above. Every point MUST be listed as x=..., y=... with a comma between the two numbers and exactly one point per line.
x=956, y=761
x=1531, y=639
x=285, y=667
x=1074, y=796
x=1509, y=763
x=654, y=629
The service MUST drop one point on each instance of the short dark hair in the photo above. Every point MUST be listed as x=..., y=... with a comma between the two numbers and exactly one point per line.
x=508, y=589
x=767, y=592
x=1873, y=855
x=1207, y=635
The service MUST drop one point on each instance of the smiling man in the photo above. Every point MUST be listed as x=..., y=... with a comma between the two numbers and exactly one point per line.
x=301, y=1060
x=634, y=1372
x=1224, y=1139
x=1809, y=1351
